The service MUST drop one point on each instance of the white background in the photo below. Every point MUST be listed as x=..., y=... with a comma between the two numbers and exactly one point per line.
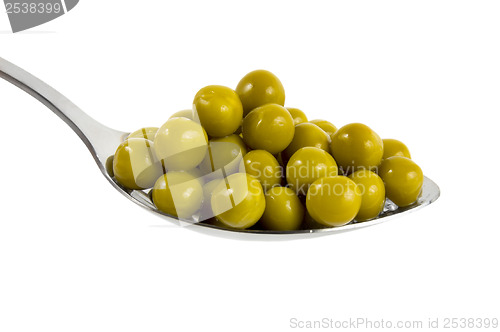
x=75, y=255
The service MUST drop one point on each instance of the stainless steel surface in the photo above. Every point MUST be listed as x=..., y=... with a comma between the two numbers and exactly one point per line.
x=102, y=142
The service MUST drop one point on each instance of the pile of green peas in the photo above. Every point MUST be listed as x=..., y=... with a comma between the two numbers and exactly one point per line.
x=240, y=159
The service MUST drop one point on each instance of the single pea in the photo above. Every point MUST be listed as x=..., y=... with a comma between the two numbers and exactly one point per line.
x=206, y=212
x=109, y=165
x=181, y=144
x=197, y=173
x=146, y=132
x=216, y=222
x=328, y=127
x=269, y=127
x=356, y=146
x=284, y=211
x=258, y=88
x=238, y=202
x=308, y=165
x=219, y=109
x=281, y=161
x=393, y=147
x=307, y=134
x=209, y=188
x=372, y=194
x=178, y=194
x=310, y=223
x=333, y=201
x=263, y=166
x=297, y=115
x=187, y=113
x=135, y=165
x=403, y=180
x=223, y=153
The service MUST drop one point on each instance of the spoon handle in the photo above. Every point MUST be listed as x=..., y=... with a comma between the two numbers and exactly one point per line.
x=101, y=140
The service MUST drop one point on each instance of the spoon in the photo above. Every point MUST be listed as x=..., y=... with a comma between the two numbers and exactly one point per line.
x=102, y=142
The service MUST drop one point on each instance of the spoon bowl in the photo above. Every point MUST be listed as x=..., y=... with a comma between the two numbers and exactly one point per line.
x=102, y=142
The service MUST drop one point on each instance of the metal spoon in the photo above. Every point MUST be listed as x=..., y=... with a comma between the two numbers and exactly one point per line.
x=102, y=142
